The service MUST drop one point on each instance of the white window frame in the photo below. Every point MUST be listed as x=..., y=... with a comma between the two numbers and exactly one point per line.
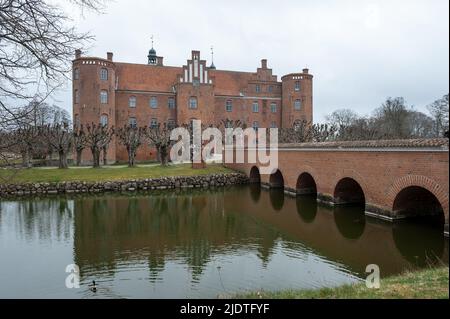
x=255, y=107
x=132, y=101
x=104, y=74
x=104, y=97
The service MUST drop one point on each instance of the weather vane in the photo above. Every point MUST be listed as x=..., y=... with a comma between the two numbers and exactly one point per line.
x=212, y=54
x=152, y=40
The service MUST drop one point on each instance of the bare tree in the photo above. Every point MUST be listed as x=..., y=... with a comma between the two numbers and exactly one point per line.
x=439, y=111
x=97, y=138
x=24, y=140
x=79, y=142
x=60, y=137
x=36, y=46
x=342, y=117
x=159, y=137
x=131, y=137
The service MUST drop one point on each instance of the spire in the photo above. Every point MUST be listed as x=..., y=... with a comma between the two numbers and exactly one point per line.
x=212, y=59
x=152, y=54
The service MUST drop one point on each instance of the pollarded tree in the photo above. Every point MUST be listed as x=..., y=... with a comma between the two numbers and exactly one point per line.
x=79, y=142
x=60, y=138
x=159, y=137
x=131, y=137
x=97, y=138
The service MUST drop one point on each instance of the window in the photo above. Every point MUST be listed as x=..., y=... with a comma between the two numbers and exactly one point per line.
x=104, y=120
x=76, y=74
x=76, y=97
x=257, y=88
x=297, y=85
x=132, y=122
x=193, y=102
x=270, y=89
x=104, y=74
x=153, y=102
x=132, y=101
x=103, y=97
x=273, y=107
x=255, y=125
x=273, y=124
x=297, y=105
x=153, y=123
x=171, y=102
x=255, y=107
x=229, y=105
x=171, y=124
x=76, y=120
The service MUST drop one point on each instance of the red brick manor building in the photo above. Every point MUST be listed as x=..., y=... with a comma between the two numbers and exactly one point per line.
x=117, y=93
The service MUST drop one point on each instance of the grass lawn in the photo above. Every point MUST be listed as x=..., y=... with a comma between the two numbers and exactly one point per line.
x=429, y=283
x=107, y=173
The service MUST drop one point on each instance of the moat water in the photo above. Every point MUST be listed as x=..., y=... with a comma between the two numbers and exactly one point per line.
x=199, y=244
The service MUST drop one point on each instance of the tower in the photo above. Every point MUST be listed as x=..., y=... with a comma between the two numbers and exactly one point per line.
x=297, y=101
x=152, y=58
x=94, y=81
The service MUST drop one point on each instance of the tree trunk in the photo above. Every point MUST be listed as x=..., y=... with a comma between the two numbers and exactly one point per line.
x=26, y=163
x=62, y=159
x=79, y=157
x=163, y=156
x=105, y=161
x=95, y=157
x=131, y=156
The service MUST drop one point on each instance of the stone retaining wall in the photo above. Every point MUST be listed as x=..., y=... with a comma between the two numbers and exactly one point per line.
x=198, y=181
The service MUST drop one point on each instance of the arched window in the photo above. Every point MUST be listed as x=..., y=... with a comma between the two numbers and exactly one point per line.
x=153, y=123
x=273, y=107
x=153, y=102
x=104, y=97
x=297, y=85
x=76, y=74
x=171, y=103
x=76, y=96
x=104, y=120
x=297, y=105
x=132, y=122
x=103, y=74
x=193, y=102
x=255, y=107
x=132, y=101
x=229, y=105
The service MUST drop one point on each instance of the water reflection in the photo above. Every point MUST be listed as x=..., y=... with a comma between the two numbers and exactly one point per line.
x=350, y=220
x=420, y=243
x=199, y=243
x=276, y=198
x=307, y=207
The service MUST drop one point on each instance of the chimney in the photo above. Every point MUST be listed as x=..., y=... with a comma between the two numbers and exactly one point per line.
x=109, y=56
x=264, y=63
x=77, y=53
x=159, y=60
x=305, y=71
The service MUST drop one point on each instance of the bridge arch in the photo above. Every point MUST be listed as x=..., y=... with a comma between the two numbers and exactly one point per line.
x=348, y=192
x=306, y=185
x=276, y=179
x=255, y=176
x=409, y=185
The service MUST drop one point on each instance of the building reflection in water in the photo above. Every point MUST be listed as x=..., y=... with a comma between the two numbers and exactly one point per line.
x=197, y=229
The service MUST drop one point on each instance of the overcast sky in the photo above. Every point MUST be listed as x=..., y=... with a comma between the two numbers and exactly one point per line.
x=360, y=52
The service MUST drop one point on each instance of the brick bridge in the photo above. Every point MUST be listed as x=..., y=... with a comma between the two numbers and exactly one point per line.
x=394, y=179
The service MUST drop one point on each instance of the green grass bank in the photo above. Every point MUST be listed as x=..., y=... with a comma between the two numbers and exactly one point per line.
x=106, y=173
x=422, y=284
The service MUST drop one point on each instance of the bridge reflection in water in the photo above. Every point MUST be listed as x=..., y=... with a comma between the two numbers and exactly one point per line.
x=203, y=243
